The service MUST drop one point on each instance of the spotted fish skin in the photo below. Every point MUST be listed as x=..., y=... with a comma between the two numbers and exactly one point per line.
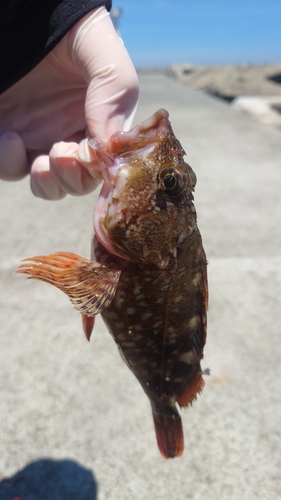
x=158, y=314
x=148, y=274
x=158, y=320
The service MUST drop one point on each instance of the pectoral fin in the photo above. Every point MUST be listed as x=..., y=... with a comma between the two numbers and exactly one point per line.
x=90, y=285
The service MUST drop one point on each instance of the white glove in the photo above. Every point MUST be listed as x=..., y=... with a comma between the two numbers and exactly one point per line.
x=86, y=87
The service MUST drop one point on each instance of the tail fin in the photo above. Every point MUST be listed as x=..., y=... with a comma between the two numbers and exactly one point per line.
x=169, y=433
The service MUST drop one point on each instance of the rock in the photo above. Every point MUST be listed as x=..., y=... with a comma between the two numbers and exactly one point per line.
x=252, y=89
x=231, y=81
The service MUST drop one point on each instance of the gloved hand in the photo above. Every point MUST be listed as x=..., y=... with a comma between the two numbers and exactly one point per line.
x=86, y=87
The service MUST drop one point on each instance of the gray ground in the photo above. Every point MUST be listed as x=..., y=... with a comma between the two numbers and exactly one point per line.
x=74, y=423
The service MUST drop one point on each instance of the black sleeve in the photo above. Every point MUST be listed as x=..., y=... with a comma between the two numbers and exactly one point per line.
x=30, y=29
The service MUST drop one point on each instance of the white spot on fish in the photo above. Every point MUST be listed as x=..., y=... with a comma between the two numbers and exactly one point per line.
x=142, y=304
x=172, y=340
x=137, y=290
x=147, y=315
x=178, y=298
x=160, y=300
x=119, y=301
x=196, y=279
x=171, y=401
x=112, y=315
x=187, y=357
x=138, y=337
x=193, y=322
x=130, y=310
x=157, y=324
x=182, y=237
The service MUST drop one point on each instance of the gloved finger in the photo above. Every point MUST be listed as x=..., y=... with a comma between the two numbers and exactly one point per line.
x=68, y=171
x=95, y=157
x=14, y=164
x=42, y=182
x=99, y=56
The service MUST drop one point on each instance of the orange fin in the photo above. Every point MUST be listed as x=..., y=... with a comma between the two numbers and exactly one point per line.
x=190, y=393
x=88, y=325
x=89, y=285
x=168, y=428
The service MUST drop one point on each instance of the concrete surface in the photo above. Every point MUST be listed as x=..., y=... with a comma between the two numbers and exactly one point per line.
x=74, y=422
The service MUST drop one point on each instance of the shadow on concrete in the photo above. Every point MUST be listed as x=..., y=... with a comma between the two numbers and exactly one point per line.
x=48, y=479
x=275, y=78
x=224, y=97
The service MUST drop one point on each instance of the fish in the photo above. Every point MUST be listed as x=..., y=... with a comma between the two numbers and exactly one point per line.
x=147, y=275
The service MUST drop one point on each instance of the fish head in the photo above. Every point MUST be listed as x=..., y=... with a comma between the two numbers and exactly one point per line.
x=145, y=206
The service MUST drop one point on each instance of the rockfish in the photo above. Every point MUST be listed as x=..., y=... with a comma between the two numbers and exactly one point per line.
x=148, y=275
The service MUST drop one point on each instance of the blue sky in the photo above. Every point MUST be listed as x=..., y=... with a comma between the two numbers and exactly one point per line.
x=163, y=32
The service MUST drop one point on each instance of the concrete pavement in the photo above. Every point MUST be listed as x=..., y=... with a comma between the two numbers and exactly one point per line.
x=74, y=422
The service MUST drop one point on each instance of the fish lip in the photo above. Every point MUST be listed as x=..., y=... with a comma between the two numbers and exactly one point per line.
x=148, y=131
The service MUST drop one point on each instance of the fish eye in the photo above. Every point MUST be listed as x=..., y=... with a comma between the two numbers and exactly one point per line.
x=170, y=180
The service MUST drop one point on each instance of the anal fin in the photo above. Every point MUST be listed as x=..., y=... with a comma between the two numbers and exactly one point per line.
x=194, y=387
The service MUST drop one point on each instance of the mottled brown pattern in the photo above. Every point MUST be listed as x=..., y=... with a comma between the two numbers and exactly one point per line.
x=158, y=315
x=149, y=319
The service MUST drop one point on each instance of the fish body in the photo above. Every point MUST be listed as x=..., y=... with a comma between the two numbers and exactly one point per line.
x=148, y=275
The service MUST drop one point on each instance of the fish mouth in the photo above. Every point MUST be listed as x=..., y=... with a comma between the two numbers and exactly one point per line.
x=143, y=134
